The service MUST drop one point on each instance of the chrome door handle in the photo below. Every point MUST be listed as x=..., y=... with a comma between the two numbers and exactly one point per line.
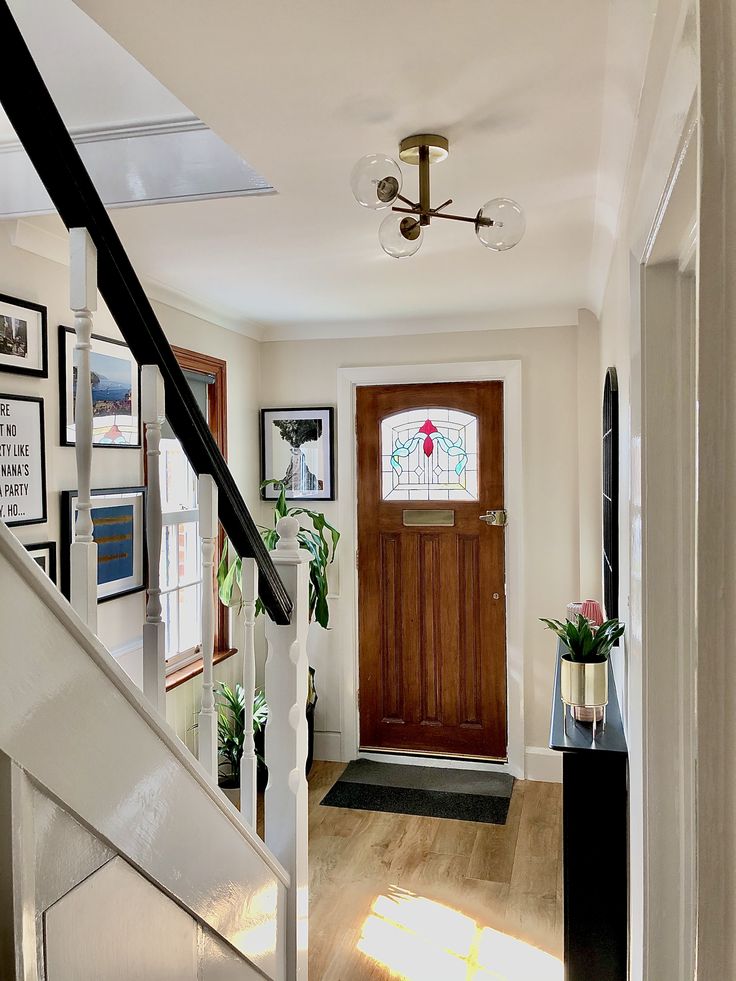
x=499, y=517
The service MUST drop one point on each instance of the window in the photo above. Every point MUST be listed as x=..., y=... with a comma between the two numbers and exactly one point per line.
x=429, y=454
x=181, y=561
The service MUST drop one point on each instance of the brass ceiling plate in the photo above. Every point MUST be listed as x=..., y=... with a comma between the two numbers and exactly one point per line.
x=439, y=148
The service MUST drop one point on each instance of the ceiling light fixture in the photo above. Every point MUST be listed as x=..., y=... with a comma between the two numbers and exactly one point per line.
x=377, y=180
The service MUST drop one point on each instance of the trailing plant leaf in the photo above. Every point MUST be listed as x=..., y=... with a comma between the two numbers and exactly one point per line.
x=228, y=577
x=584, y=642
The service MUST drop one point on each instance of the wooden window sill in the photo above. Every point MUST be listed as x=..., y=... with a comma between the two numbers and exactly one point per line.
x=190, y=671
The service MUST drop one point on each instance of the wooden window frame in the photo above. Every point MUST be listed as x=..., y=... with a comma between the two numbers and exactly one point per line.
x=206, y=364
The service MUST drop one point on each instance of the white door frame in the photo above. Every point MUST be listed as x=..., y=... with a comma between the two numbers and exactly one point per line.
x=662, y=645
x=348, y=380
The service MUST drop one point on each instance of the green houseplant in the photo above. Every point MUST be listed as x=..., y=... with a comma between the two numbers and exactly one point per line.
x=584, y=663
x=231, y=730
x=320, y=539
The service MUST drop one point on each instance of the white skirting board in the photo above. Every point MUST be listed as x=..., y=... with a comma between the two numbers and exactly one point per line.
x=543, y=764
x=327, y=746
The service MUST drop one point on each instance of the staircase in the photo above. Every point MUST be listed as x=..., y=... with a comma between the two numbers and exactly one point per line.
x=119, y=856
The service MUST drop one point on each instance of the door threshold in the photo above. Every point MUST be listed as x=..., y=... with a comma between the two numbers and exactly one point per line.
x=419, y=758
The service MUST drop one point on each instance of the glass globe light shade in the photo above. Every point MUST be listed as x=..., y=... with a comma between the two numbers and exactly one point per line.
x=400, y=235
x=508, y=225
x=376, y=181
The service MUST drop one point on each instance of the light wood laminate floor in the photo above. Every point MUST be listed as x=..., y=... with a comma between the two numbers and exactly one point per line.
x=419, y=898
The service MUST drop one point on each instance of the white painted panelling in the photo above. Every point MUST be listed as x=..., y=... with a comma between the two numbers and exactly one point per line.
x=117, y=925
x=65, y=852
x=74, y=721
x=543, y=763
x=136, y=168
x=218, y=962
x=183, y=702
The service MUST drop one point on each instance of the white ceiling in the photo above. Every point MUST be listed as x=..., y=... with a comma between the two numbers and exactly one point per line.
x=301, y=90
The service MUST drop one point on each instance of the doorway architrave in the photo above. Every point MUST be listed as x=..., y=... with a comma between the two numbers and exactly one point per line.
x=348, y=380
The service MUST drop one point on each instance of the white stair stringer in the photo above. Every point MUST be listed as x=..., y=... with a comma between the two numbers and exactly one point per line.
x=73, y=721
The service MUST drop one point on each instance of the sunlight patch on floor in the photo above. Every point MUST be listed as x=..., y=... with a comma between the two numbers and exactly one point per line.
x=418, y=939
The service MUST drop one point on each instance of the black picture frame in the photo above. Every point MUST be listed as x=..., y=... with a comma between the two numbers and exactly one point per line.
x=65, y=366
x=49, y=548
x=42, y=371
x=41, y=517
x=326, y=415
x=68, y=498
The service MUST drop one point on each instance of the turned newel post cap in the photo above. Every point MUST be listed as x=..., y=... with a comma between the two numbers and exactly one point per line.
x=288, y=529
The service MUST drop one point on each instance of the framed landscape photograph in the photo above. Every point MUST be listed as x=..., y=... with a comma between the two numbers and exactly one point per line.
x=22, y=460
x=116, y=390
x=119, y=515
x=297, y=448
x=44, y=554
x=23, y=341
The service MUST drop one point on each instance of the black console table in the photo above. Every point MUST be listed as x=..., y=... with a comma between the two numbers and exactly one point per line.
x=595, y=849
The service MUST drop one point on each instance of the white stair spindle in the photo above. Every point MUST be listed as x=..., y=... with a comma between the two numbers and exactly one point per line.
x=287, y=684
x=207, y=722
x=247, y=620
x=83, y=301
x=153, y=413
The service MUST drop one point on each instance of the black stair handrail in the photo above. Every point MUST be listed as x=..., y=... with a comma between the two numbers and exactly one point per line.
x=42, y=132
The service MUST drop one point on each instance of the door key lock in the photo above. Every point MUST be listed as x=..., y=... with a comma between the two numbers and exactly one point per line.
x=499, y=518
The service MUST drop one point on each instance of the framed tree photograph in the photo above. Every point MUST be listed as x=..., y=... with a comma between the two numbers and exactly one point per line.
x=116, y=390
x=44, y=555
x=297, y=448
x=23, y=340
x=22, y=460
x=119, y=518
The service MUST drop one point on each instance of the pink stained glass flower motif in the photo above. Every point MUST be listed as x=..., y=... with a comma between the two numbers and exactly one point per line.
x=427, y=429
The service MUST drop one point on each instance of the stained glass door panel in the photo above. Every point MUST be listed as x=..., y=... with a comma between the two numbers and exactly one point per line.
x=429, y=454
x=432, y=602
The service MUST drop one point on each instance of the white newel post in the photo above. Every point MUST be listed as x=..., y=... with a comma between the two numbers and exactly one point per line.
x=207, y=722
x=247, y=620
x=83, y=301
x=153, y=413
x=287, y=685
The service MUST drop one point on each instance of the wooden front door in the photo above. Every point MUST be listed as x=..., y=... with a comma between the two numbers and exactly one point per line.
x=432, y=609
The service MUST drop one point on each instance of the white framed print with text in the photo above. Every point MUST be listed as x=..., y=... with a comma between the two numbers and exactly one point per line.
x=297, y=449
x=22, y=460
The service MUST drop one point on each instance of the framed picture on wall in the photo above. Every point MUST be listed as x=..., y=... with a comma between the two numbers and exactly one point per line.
x=119, y=518
x=44, y=554
x=23, y=342
x=22, y=460
x=116, y=391
x=297, y=448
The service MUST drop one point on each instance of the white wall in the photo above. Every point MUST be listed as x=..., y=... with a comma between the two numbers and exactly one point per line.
x=663, y=106
x=30, y=276
x=303, y=373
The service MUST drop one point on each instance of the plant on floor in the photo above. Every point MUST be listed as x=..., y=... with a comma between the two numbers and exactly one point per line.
x=584, y=642
x=320, y=541
x=231, y=727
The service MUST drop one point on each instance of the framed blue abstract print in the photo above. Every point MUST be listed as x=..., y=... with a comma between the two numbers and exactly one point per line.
x=118, y=516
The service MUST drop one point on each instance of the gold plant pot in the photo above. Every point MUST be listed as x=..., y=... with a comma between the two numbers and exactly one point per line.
x=584, y=685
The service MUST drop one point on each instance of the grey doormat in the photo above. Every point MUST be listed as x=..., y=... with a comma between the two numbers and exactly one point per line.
x=464, y=795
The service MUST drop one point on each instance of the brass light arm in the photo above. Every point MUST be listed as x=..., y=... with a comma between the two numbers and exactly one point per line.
x=411, y=204
x=486, y=222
